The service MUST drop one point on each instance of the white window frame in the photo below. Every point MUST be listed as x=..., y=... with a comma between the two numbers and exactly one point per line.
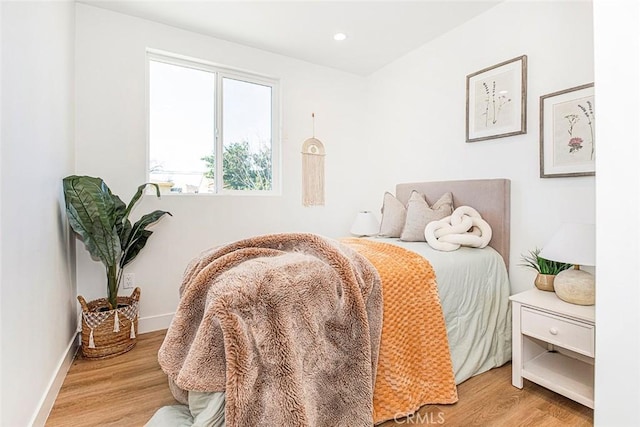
x=222, y=72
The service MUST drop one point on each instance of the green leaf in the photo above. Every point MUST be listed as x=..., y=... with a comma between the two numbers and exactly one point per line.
x=139, y=235
x=542, y=265
x=124, y=230
x=135, y=246
x=138, y=194
x=123, y=225
x=92, y=214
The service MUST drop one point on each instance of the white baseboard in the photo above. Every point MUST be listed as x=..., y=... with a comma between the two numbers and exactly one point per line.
x=154, y=323
x=49, y=398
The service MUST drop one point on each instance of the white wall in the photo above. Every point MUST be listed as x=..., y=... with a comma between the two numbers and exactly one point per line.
x=418, y=108
x=37, y=283
x=1, y=117
x=617, y=49
x=111, y=143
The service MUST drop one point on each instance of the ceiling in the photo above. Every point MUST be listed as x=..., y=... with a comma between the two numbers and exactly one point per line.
x=378, y=32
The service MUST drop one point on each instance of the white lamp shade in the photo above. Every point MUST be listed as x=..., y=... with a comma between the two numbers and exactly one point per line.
x=572, y=243
x=365, y=224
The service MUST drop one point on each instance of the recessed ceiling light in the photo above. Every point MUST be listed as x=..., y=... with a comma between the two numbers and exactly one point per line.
x=339, y=36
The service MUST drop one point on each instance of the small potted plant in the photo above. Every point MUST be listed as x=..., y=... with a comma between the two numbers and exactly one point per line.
x=101, y=219
x=545, y=268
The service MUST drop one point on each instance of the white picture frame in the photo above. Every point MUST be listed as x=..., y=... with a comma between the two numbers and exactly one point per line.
x=497, y=101
x=567, y=133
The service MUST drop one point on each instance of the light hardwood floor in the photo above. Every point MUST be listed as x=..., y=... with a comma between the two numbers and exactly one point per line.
x=128, y=389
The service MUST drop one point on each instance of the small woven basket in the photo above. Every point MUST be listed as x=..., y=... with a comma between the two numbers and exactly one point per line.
x=109, y=333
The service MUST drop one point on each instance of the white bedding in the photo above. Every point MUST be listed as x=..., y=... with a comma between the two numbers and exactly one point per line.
x=474, y=291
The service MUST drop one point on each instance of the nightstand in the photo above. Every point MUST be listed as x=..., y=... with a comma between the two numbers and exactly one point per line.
x=554, y=344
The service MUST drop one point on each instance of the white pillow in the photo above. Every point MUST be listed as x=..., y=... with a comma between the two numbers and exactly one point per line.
x=464, y=227
x=393, y=216
x=419, y=214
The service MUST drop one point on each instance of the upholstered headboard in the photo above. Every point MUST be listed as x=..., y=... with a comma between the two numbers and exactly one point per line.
x=490, y=197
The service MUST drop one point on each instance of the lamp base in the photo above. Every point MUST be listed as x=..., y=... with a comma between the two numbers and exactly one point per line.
x=576, y=287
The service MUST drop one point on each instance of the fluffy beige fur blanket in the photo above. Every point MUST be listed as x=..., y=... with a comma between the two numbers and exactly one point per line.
x=288, y=325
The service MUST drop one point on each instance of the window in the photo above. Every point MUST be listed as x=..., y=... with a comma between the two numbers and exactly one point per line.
x=211, y=130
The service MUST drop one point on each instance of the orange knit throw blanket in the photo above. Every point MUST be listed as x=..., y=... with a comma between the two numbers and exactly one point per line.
x=414, y=363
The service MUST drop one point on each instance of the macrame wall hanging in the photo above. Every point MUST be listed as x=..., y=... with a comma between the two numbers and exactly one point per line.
x=313, y=170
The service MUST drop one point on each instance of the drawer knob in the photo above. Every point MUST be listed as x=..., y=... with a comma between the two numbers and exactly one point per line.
x=553, y=331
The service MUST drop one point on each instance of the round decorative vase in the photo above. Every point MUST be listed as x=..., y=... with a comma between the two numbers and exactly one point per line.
x=576, y=287
x=544, y=282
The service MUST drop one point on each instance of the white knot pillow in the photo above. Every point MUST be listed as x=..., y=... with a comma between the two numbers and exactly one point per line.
x=464, y=227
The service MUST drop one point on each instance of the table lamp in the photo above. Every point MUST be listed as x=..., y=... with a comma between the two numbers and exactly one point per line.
x=573, y=244
x=365, y=224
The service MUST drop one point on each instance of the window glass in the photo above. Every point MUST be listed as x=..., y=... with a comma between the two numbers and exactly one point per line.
x=181, y=126
x=210, y=129
x=246, y=124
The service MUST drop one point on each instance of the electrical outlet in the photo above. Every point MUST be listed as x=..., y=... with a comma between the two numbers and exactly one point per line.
x=129, y=278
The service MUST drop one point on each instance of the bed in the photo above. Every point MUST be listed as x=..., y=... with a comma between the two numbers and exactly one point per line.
x=472, y=288
x=473, y=283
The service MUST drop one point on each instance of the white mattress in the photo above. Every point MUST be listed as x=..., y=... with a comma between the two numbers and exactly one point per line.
x=474, y=292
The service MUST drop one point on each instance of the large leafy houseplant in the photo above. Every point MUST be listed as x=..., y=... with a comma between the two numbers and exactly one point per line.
x=101, y=219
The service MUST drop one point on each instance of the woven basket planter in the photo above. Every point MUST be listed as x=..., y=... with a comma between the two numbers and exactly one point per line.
x=110, y=332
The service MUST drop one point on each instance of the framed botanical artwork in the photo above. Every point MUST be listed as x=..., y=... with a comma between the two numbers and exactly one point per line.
x=497, y=101
x=567, y=133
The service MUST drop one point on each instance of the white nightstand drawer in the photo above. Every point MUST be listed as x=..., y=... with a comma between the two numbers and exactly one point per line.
x=560, y=331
